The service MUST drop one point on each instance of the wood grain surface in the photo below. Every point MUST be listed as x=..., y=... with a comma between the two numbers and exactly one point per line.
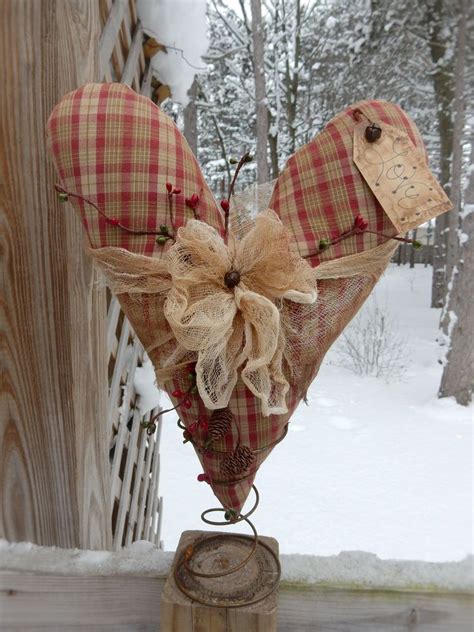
x=54, y=472
x=58, y=603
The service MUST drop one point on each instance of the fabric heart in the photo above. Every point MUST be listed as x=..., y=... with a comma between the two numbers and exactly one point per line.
x=255, y=342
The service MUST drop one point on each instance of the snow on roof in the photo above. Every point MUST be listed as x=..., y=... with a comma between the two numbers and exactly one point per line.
x=180, y=25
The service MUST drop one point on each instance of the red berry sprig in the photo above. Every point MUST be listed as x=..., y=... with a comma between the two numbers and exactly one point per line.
x=163, y=233
x=193, y=203
x=361, y=225
x=225, y=204
x=204, y=478
x=184, y=400
x=171, y=190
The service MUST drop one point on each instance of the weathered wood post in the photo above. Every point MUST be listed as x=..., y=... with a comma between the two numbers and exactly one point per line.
x=53, y=444
x=204, y=606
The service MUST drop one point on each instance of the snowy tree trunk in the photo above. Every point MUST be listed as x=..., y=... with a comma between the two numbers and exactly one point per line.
x=273, y=143
x=452, y=240
x=275, y=117
x=438, y=286
x=456, y=176
x=426, y=254
x=260, y=91
x=413, y=250
x=458, y=373
x=292, y=80
x=439, y=34
x=190, y=118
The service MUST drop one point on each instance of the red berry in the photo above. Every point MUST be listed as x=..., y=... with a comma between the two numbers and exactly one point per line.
x=177, y=393
x=225, y=205
x=203, y=478
x=204, y=425
x=176, y=191
x=187, y=403
x=193, y=201
x=361, y=223
x=169, y=187
x=192, y=428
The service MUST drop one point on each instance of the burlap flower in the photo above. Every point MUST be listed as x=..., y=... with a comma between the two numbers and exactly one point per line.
x=233, y=327
x=267, y=318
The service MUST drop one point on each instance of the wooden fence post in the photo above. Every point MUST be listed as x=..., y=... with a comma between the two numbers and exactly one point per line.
x=54, y=470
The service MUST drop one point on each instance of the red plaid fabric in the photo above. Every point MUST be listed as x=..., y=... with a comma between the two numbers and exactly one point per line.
x=119, y=150
x=320, y=191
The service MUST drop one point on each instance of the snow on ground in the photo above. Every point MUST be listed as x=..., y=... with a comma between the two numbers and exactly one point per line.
x=371, y=466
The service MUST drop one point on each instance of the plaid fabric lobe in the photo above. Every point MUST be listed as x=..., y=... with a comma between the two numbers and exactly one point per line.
x=320, y=191
x=118, y=149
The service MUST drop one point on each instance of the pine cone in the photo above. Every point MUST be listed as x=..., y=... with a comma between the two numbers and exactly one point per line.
x=239, y=462
x=219, y=424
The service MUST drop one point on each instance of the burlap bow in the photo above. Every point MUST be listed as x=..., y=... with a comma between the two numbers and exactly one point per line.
x=234, y=322
x=249, y=328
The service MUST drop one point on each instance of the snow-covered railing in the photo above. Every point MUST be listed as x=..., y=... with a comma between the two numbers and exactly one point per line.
x=136, y=508
x=353, y=591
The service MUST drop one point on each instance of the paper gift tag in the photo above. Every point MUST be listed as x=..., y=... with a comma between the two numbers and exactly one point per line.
x=397, y=173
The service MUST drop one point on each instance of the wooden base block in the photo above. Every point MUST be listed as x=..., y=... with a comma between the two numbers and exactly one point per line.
x=180, y=613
